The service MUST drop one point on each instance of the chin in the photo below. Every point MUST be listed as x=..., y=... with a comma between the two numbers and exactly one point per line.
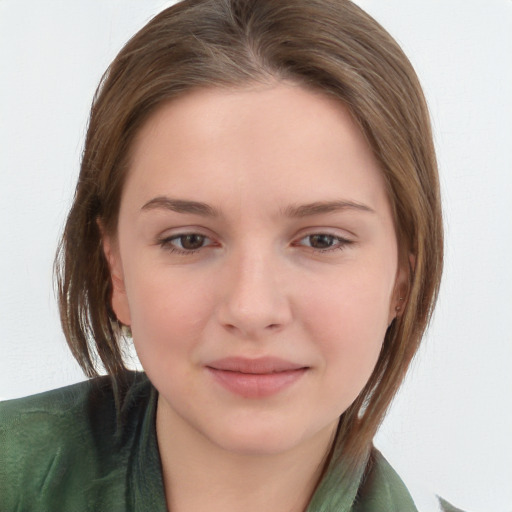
x=263, y=437
x=258, y=445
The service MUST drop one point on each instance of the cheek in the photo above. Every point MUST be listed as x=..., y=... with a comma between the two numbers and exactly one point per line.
x=347, y=318
x=168, y=315
x=352, y=300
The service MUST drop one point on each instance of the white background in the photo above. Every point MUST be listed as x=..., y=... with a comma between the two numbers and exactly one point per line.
x=451, y=425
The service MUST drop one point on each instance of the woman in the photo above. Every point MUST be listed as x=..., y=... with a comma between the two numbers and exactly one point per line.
x=258, y=206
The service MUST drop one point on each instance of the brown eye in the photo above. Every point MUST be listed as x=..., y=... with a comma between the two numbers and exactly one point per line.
x=191, y=242
x=322, y=241
x=186, y=243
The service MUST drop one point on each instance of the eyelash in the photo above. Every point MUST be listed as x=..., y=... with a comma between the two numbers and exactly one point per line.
x=166, y=243
x=343, y=243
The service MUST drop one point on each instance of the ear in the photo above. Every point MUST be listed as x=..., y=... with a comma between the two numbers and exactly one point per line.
x=119, y=299
x=401, y=288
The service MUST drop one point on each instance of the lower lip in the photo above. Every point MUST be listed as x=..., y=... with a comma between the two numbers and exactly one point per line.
x=256, y=385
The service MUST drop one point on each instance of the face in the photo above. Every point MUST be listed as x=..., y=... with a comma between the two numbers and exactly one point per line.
x=256, y=263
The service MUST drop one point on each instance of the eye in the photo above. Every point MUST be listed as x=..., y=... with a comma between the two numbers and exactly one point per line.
x=324, y=242
x=184, y=243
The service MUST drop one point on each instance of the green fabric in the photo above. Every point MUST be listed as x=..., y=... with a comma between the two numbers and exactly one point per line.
x=382, y=489
x=68, y=450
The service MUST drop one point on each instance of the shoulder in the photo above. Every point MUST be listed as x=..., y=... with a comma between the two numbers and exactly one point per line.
x=51, y=418
x=44, y=420
x=382, y=489
x=61, y=439
x=382, y=485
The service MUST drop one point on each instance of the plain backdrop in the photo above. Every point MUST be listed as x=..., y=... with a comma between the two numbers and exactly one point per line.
x=450, y=426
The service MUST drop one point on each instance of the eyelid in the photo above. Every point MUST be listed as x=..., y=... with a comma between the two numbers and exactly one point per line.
x=343, y=234
x=165, y=241
x=176, y=232
x=342, y=241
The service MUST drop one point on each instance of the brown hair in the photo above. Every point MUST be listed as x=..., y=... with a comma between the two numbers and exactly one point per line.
x=329, y=45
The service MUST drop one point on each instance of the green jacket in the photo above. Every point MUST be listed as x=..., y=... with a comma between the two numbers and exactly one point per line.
x=72, y=450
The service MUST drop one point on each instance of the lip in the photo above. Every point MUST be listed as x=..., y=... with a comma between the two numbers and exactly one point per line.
x=255, y=378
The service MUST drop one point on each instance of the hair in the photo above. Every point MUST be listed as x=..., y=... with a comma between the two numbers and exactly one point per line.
x=331, y=46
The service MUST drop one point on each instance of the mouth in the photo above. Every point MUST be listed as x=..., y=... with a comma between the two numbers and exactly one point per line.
x=255, y=378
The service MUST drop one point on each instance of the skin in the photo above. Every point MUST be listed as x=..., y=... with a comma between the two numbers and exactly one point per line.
x=259, y=283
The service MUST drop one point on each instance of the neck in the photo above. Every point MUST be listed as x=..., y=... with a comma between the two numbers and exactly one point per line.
x=202, y=476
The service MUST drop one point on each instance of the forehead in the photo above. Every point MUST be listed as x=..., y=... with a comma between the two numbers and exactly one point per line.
x=218, y=144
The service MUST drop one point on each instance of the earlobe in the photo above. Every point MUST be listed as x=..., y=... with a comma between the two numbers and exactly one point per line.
x=400, y=304
x=119, y=299
x=397, y=304
x=401, y=289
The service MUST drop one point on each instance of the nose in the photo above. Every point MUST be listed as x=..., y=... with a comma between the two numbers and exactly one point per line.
x=254, y=299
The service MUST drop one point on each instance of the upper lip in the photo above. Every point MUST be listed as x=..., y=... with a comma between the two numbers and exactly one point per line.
x=260, y=365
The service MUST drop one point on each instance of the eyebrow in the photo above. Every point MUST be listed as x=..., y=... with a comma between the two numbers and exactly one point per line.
x=320, y=207
x=292, y=211
x=181, y=206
